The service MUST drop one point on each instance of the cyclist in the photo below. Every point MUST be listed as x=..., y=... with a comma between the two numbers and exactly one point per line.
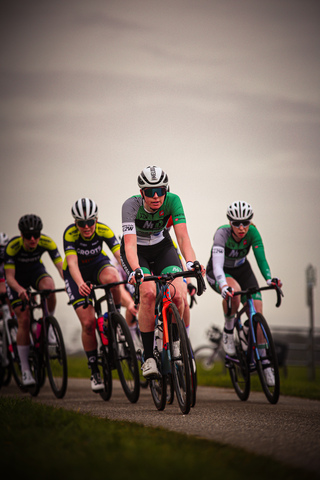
x=145, y=248
x=24, y=268
x=229, y=270
x=3, y=243
x=85, y=261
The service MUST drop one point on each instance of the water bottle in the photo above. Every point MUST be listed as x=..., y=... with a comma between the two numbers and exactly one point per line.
x=36, y=331
x=158, y=334
x=103, y=328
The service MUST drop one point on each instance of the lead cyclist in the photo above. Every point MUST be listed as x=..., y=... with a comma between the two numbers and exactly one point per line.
x=145, y=248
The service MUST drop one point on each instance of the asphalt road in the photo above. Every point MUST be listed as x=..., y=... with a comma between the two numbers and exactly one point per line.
x=288, y=431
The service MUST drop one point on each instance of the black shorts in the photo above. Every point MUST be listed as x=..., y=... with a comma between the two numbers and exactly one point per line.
x=243, y=275
x=156, y=259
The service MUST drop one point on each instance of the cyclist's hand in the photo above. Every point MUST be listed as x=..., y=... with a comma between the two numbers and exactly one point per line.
x=191, y=266
x=84, y=289
x=191, y=289
x=227, y=292
x=274, y=281
x=132, y=276
x=23, y=294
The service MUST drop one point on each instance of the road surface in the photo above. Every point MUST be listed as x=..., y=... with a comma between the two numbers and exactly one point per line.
x=288, y=431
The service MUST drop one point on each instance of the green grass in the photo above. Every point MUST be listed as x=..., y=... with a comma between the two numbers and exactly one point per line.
x=296, y=383
x=42, y=442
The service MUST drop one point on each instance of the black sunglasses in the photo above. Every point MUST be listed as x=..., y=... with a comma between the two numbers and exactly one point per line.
x=237, y=223
x=35, y=234
x=150, y=192
x=83, y=223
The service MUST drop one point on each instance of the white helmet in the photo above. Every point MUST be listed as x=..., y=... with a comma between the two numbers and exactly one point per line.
x=239, y=211
x=152, y=176
x=84, y=209
x=4, y=239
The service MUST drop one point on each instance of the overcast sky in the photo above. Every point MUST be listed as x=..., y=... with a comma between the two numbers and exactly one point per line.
x=223, y=95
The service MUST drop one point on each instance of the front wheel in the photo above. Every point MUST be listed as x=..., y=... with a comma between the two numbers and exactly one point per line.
x=125, y=357
x=267, y=363
x=239, y=369
x=103, y=362
x=56, y=358
x=180, y=366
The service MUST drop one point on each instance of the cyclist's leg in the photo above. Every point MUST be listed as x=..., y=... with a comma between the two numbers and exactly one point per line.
x=88, y=326
x=45, y=282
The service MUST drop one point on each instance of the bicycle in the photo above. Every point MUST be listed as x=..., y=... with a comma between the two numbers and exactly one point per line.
x=47, y=350
x=5, y=369
x=116, y=349
x=172, y=351
x=206, y=355
x=249, y=358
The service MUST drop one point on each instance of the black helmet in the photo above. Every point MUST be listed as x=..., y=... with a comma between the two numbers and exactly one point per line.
x=29, y=223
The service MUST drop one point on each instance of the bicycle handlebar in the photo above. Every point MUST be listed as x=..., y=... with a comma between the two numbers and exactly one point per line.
x=43, y=293
x=105, y=286
x=169, y=277
x=252, y=290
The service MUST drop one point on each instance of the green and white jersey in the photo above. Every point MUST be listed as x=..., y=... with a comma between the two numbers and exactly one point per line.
x=149, y=227
x=226, y=253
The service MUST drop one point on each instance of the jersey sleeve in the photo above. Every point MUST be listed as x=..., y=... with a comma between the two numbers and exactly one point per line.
x=71, y=234
x=259, y=253
x=176, y=209
x=108, y=236
x=48, y=244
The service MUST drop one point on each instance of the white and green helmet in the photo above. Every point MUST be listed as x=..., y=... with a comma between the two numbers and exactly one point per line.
x=239, y=210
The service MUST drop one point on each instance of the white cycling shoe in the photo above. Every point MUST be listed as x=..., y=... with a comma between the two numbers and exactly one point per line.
x=27, y=379
x=269, y=376
x=228, y=344
x=150, y=369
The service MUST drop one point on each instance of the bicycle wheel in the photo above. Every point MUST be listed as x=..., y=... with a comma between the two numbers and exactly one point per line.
x=37, y=368
x=205, y=356
x=56, y=358
x=103, y=362
x=180, y=366
x=193, y=371
x=125, y=357
x=13, y=353
x=158, y=386
x=272, y=391
x=170, y=389
x=239, y=369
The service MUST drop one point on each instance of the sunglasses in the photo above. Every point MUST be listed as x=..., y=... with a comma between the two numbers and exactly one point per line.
x=150, y=192
x=238, y=223
x=84, y=223
x=35, y=234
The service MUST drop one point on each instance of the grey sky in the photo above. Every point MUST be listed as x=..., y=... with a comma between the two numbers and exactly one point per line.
x=223, y=95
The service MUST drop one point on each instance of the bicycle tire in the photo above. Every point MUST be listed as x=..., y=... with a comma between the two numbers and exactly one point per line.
x=271, y=392
x=125, y=357
x=14, y=359
x=194, y=374
x=103, y=362
x=239, y=372
x=56, y=358
x=36, y=366
x=158, y=386
x=205, y=356
x=180, y=366
x=170, y=390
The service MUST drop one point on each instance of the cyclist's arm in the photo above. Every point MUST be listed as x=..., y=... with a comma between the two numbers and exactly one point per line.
x=60, y=269
x=259, y=253
x=218, y=263
x=184, y=242
x=73, y=265
x=12, y=282
x=130, y=245
x=117, y=257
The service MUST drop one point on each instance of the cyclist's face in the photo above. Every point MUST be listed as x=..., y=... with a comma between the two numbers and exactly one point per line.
x=153, y=203
x=239, y=232
x=30, y=243
x=87, y=231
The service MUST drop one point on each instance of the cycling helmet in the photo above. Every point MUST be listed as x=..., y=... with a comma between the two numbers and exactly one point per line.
x=4, y=239
x=30, y=222
x=239, y=211
x=84, y=209
x=152, y=176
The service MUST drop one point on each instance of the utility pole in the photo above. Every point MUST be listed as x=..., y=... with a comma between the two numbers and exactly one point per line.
x=311, y=282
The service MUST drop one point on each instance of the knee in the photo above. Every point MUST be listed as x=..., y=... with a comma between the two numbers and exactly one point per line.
x=148, y=297
x=88, y=326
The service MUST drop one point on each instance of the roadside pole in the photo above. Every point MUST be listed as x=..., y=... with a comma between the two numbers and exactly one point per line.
x=311, y=282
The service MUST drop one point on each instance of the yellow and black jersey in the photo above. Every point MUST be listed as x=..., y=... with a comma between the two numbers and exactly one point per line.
x=88, y=250
x=20, y=259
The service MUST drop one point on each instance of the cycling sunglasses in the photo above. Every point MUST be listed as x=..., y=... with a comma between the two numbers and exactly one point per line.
x=35, y=234
x=150, y=192
x=238, y=223
x=84, y=223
